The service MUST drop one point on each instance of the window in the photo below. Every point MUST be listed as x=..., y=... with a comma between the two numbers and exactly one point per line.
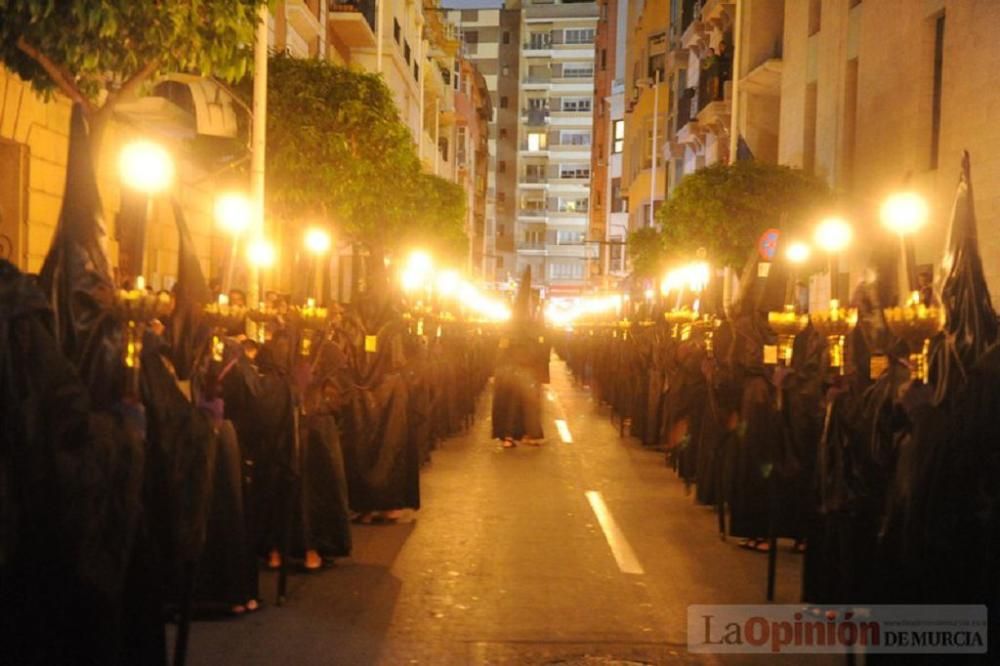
x=574, y=171
x=501, y=167
x=619, y=144
x=501, y=197
x=572, y=271
x=470, y=39
x=574, y=137
x=505, y=71
x=396, y=30
x=503, y=102
x=578, y=70
x=815, y=9
x=461, y=140
x=534, y=173
x=537, y=140
x=499, y=258
x=539, y=40
x=506, y=37
x=503, y=133
x=573, y=205
x=604, y=59
x=579, y=36
x=537, y=103
x=617, y=202
x=576, y=104
x=534, y=238
x=533, y=204
x=936, y=99
x=501, y=231
x=443, y=147
x=470, y=15
x=617, y=256
x=569, y=237
x=406, y=51
x=416, y=72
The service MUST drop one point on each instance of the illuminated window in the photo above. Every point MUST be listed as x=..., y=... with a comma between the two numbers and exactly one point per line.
x=619, y=136
x=536, y=141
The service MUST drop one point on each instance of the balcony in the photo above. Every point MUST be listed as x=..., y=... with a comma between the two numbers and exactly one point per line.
x=353, y=22
x=304, y=18
x=535, y=117
x=677, y=59
x=716, y=113
x=694, y=35
x=764, y=79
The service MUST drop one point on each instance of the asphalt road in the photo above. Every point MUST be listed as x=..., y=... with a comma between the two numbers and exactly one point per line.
x=576, y=552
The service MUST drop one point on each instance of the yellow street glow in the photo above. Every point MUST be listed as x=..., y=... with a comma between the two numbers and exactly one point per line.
x=448, y=283
x=797, y=252
x=261, y=253
x=146, y=166
x=317, y=241
x=904, y=213
x=693, y=277
x=233, y=212
x=420, y=262
x=834, y=234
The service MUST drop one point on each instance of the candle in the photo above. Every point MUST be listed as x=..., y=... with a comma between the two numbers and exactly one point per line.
x=310, y=303
x=140, y=283
x=914, y=298
x=223, y=299
x=834, y=309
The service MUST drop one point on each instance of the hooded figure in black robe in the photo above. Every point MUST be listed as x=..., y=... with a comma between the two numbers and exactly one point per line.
x=520, y=372
x=940, y=540
x=383, y=468
x=71, y=458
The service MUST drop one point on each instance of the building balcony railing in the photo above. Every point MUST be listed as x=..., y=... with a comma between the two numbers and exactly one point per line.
x=535, y=117
x=304, y=17
x=353, y=22
x=532, y=212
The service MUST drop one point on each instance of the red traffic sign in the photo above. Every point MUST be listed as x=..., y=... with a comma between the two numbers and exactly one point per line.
x=767, y=246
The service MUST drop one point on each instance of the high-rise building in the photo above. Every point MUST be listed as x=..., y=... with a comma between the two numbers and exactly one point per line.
x=481, y=44
x=608, y=216
x=554, y=137
x=647, y=111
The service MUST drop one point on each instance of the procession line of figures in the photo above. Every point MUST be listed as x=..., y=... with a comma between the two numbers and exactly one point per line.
x=134, y=492
x=891, y=484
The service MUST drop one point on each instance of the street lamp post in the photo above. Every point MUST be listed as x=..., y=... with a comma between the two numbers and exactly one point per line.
x=904, y=213
x=318, y=244
x=262, y=255
x=233, y=212
x=147, y=168
x=833, y=235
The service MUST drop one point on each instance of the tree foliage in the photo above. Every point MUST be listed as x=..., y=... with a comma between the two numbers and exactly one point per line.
x=337, y=149
x=647, y=252
x=725, y=208
x=101, y=52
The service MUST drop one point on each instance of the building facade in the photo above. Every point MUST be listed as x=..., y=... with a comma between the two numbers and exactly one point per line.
x=554, y=139
x=876, y=96
x=473, y=112
x=608, y=216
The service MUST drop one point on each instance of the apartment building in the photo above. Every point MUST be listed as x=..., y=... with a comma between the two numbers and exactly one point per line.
x=698, y=63
x=481, y=45
x=473, y=112
x=647, y=110
x=875, y=96
x=554, y=108
x=608, y=229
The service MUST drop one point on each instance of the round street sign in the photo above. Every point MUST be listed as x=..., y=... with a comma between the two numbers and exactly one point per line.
x=767, y=246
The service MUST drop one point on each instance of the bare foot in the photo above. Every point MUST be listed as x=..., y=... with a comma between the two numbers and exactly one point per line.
x=313, y=560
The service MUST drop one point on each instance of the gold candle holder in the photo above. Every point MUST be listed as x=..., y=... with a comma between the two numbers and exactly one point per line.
x=835, y=324
x=680, y=320
x=786, y=325
x=134, y=308
x=915, y=324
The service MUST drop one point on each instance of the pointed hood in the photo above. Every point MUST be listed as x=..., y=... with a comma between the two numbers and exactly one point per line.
x=523, y=301
x=76, y=277
x=971, y=320
x=188, y=330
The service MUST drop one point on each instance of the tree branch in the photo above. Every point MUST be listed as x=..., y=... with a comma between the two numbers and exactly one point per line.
x=60, y=77
x=131, y=86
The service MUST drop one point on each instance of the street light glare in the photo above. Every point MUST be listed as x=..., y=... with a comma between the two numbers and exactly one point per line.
x=904, y=213
x=448, y=283
x=421, y=262
x=261, y=253
x=233, y=212
x=834, y=234
x=146, y=166
x=798, y=252
x=317, y=241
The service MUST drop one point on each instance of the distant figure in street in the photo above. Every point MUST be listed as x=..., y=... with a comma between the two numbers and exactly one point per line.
x=522, y=368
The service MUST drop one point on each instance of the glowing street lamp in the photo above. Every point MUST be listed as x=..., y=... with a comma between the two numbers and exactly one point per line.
x=833, y=235
x=318, y=244
x=233, y=212
x=261, y=253
x=146, y=167
x=798, y=252
x=905, y=213
x=448, y=283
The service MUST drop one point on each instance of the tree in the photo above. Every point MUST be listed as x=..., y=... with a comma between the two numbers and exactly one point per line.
x=100, y=53
x=337, y=149
x=725, y=208
x=647, y=252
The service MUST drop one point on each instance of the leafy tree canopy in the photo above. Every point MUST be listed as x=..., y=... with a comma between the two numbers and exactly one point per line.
x=647, y=252
x=725, y=208
x=100, y=52
x=337, y=149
